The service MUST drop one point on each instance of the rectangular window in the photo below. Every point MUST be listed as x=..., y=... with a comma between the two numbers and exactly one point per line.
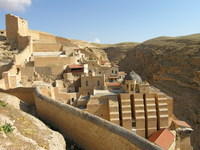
x=98, y=83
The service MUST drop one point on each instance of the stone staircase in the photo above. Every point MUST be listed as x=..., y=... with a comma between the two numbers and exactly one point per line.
x=126, y=111
x=163, y=110
x=114, y=112
x=143, y=113
x=139, y=114
x=151, y=113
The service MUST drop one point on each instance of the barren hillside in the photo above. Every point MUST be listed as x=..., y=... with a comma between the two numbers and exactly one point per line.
x=173, y=65
x=117, y=52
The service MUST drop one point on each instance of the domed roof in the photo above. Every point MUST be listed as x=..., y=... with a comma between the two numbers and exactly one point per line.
x=133, y=76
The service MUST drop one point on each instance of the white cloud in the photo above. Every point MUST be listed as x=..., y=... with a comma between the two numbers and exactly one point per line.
x=14, y=5
x=96, y=40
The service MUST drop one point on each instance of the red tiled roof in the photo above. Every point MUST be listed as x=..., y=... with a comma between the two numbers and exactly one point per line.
x=75, y=66
x=103, y=62
x=181, y=123
x=115, y=84
x=164, y=138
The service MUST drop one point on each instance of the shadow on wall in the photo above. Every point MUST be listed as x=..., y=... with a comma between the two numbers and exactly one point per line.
x=2, y=38
x=89, y=131
x=5, y=68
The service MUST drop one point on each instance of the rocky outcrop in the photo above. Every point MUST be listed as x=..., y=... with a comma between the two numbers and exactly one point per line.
x=172, y=65
x=24, y=130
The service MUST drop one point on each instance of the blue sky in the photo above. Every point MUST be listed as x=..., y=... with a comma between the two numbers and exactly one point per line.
x=109, y=21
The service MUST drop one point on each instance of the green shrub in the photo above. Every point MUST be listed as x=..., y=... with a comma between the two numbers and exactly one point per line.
x=6, y=128
x=3, y=104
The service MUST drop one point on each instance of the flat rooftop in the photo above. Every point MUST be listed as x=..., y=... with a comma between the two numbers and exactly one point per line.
x=103, y=93
x=47, y=53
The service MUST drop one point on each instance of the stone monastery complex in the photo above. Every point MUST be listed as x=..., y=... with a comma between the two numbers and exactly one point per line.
x=75, y=88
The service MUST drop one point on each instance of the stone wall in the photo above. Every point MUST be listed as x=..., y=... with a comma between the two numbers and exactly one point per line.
x=47, y=38
x=11, y=28
x=23, y=41
x=24, y=55
x=90, y=82
x=64, y=97
x=46, y=47
x=4, y=68
x=25, y=94
x=9, y=78
x=99, y=106
x=42, y=61
x=2, y=83
x=90, y=131
x=55, y=64
x=16, y=29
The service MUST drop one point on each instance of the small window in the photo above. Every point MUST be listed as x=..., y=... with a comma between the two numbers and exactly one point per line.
x=132, y=88
x=86, y=83
x=18, y=70
x=112, y=71
x=98, y=83
x=116, y=72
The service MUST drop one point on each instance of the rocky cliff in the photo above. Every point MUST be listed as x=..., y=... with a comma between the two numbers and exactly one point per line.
x=117, y=52
x=19, y=130
x=173, y=65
